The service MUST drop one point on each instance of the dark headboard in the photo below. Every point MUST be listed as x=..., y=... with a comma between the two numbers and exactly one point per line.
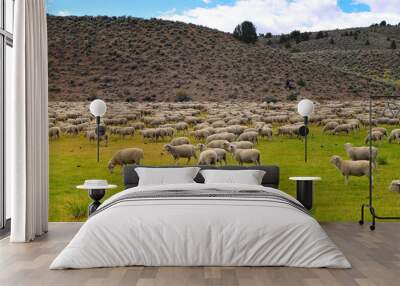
x=271, y=177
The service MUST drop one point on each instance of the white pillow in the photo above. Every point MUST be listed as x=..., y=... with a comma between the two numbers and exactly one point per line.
x=245, y=177
x=166, y=176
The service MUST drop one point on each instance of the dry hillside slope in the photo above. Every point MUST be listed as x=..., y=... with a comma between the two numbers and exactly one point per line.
x=125, y=58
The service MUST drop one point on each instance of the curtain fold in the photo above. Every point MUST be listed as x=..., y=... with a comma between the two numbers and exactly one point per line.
x=27, y=124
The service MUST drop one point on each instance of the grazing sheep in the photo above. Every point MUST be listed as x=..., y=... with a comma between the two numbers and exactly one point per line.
x=200, y=134
x=251, y=136
x=351, y=168
x=125, y=157
x=138, y=125
x=92, y=136
x=71, y=130
x=265, y=132
x=221, y=136
x=347, y=128
x=150, y=133
x=380, y=129
x=330, y=126
x=221, y=153
x=126, y=131
x=217, y=144
x=182, y=126
x=245, y=155
x=394, y=135
x=360, y=153
x=182, y=151
x=179, y=141
x=208, y=157
x=54, y=132
x=239, y=145
x=395, y=186
x=375, y=136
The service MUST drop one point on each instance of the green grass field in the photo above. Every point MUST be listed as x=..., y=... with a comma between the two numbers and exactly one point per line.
x=73, y=159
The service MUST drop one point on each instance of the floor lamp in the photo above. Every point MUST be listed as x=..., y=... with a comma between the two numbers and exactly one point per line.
x=98, y=108
x=305, y=108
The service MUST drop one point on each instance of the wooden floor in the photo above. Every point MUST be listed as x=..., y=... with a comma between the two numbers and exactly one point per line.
x=375, y=257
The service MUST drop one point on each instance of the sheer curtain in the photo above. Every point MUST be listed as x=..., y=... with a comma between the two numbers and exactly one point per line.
x=26, y=124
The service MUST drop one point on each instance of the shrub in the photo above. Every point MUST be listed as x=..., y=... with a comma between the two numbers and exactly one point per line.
x=319, y=35
x=130, y=99
x=367, y=43
x=393, y=45
x=332, y=41
x=182, y=96
x=382, y=160
x=301, y=82
x=77, y=210
x=270, y=99
x=246, y=32
x=383, y=23
x=293, y=96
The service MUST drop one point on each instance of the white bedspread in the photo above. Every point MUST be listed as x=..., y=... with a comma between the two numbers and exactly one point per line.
x=202, y=232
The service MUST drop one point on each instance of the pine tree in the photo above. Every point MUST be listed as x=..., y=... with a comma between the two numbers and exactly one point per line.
x=246, y=32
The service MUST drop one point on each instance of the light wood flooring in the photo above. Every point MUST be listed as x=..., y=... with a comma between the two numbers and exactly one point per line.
x=375, y=257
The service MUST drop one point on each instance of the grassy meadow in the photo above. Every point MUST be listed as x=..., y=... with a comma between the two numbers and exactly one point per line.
x=73, y=159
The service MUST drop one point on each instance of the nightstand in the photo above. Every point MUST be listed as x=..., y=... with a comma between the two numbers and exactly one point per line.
x=96, y=190
x=305, y=189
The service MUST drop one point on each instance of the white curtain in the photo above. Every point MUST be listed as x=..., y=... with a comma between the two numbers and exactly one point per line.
x=26, y=124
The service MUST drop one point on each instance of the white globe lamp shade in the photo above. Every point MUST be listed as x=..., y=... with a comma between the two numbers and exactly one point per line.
x=305, y=107
x=98, y=107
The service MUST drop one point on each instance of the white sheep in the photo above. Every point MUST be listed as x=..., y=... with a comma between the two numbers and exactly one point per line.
x=265, y=132
x=217, y=144
x=92, y=136
x=179, y=141
x=347, y=128
x=330, y=126
x=360, y=153
x=245, y=155
x=221, y=153
x=239, y=145
x=54, y=132
x=208, y=157
x=182, y=151
x=383, y=130
x=125, y=157
x=375, y=136
x=394, y=135
x=351, y=168
x=251, y=136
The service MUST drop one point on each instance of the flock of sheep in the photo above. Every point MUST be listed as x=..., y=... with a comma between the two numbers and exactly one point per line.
x=220, y=129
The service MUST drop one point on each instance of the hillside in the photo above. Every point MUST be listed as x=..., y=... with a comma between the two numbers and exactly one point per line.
x=366, y=51
x=132, y=59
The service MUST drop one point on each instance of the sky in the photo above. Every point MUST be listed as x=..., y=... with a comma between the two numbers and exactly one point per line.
x=275, y=16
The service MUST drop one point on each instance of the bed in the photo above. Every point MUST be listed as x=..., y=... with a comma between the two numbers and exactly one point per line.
x=197, y=224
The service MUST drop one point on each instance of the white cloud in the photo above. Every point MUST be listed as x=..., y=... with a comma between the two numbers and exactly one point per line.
x=207, y=1
x=282, y=16
x=63, y=13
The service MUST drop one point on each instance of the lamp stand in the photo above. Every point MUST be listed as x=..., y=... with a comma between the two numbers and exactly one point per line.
x=305, y=138
x=98, y=137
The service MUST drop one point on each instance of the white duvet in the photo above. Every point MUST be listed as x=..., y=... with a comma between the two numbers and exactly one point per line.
x=200, y=232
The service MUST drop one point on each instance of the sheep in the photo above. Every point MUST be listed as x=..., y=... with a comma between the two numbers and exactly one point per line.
x=239, y=145
x=330, y=126
x=245, y=155
x=71, y=130
x=138, y=125
x=182, y=151
x=221, y=136
x=208, y=157
x=394, y=135
x=54, y=133
x=182, y=126
x=126, y=156
x=380, y=129
x=360, y=153
x=351, y=168
x=221, y=153
x=251, y=136
x=217, y=144
x=342, y=128
x=265, y=132
x=179, y=141
x=150, y=133
x=200, y=134
x=126, y=131
x=374, y=136
x=92, y=136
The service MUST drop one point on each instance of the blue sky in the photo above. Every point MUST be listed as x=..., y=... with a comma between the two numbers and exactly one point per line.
x=276, y=16
x=152, y=8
